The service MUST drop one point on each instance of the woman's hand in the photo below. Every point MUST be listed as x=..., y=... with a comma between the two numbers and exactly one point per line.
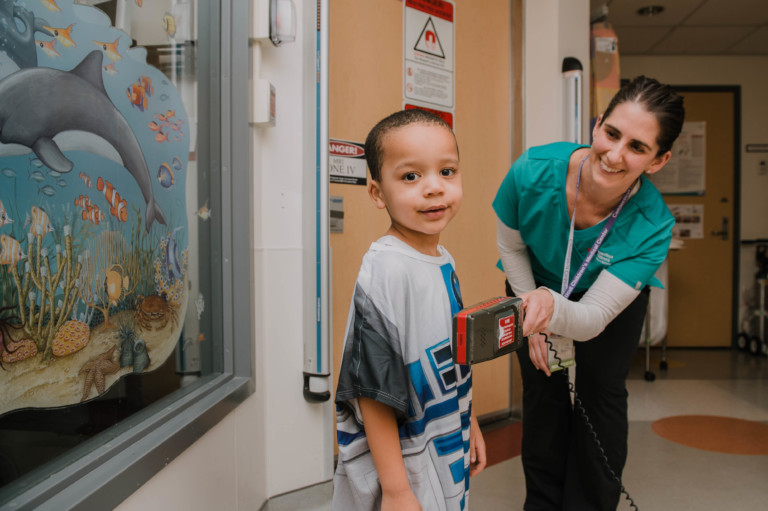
x=477, y=459
x=539, y=306
x=538, y=351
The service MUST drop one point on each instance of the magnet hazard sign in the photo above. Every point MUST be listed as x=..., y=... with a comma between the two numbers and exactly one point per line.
x=428, y=48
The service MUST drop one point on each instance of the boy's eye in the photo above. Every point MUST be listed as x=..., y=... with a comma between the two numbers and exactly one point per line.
x=411, y=176
x=447, y=172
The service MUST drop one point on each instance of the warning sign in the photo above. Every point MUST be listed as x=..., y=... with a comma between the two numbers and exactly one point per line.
x=428, y=49
x=346, y=162
x=428, y=41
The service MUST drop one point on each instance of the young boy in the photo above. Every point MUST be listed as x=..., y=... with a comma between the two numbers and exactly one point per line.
x=407, y=437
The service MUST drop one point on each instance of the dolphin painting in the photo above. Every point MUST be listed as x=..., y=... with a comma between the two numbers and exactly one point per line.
x=38, y=103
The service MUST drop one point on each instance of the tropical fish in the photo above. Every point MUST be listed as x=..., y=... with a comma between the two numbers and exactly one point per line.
x=51, y=5
x=139, y=2
x=161, y=137
x=38, y=223
x=62, y=35
x=170, y=114
x=201, y=337
x=146, y=82
x=171, y=256
x=115, y=283
x=4, y=218
x=109, y=69
x=83, y=201
x=8, y=172
x=137, y=96
x=47, y=190
x=165, y=176
x=176, y=126
x=10, y=250
x=93, y=214
x=37, y=176
x=48, y=47
x=177, y=165
x=204, y=212
x=86, y=179
x=161, y=118
x=118, y=205
x=110, y=49
x=154, y=126
x=169, y=25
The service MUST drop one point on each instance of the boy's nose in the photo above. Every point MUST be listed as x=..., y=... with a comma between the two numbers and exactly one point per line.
x=433, y=185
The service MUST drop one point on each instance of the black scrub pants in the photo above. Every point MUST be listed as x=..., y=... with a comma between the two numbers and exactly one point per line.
x=563, y=465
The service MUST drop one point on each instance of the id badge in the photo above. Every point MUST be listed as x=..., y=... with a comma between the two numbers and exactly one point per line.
x=561, y=353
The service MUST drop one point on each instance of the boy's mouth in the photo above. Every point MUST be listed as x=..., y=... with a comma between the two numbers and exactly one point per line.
x=435, y=211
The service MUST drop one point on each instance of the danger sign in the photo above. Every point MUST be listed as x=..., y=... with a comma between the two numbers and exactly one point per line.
x=428, y=49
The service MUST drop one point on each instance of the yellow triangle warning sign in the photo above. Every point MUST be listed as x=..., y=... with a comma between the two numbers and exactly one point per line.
x=428, y=41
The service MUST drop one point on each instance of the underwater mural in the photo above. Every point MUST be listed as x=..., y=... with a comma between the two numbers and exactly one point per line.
x=94, y=149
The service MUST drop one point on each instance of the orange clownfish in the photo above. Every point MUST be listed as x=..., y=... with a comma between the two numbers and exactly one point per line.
x=118, y=205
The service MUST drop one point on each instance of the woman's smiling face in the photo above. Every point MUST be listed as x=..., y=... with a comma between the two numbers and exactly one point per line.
x=624, y=146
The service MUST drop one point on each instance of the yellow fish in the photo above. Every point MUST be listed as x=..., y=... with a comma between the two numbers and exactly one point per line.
x=110, y=49
x=38, y=222
x=169, y=25
x=115, y=283
x=204, y=212
x=62, y=35
x=4, y=218
x=48, y=47
x=10, y=250
x=51, y=5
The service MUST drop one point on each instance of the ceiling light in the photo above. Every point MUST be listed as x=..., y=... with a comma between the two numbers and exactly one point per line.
x=650, y=10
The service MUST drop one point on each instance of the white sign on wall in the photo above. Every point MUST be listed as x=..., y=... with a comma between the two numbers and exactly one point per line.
x=428, y=50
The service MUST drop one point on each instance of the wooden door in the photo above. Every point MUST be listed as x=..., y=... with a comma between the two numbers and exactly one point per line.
x=366, y=84
x=701, y=275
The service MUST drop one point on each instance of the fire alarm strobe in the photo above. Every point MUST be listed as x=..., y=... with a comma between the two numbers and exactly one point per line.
x=487, y=330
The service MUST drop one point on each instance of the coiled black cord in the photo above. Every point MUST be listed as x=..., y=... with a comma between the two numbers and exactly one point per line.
x=583, y=412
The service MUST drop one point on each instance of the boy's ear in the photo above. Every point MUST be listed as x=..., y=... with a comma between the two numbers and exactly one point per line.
x=374, y=191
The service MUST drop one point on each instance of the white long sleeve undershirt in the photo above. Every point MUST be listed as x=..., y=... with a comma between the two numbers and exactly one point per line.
x=580, y=321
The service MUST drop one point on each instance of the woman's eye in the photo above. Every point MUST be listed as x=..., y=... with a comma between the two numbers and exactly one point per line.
x=411, y=176
x=447, y=172
x=612, y=134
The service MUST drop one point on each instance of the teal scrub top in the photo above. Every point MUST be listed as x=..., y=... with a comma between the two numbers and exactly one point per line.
x=532, y=200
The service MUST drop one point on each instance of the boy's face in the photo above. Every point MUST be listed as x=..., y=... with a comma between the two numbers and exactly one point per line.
x=420, y=183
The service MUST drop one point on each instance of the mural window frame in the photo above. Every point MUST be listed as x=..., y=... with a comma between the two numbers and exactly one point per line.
x=107, y=468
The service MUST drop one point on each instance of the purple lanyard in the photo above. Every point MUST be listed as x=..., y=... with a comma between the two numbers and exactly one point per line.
x=567, y=288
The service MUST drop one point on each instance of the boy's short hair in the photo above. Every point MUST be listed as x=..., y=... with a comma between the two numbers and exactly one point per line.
x=374, y=147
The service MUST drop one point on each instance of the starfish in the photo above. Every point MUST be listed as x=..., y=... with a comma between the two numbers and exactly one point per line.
x=96, y=370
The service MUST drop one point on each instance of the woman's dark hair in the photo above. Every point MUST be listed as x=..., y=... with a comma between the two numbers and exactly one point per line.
x=660, y=100
x=374, y=146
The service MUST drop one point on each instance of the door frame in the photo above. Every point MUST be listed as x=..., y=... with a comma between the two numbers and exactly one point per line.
x=736, y=229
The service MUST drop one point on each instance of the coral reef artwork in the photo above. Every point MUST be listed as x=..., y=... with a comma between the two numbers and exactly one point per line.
x=93, y=224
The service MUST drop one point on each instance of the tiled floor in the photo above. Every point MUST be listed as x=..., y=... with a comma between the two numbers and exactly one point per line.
x=661, y=475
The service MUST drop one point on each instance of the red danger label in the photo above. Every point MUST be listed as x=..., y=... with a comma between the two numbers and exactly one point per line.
x=506, y=331
x=337, y=148
x=437, y=8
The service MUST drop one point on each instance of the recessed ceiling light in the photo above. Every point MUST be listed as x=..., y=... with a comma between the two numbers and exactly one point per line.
x=650, y=10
